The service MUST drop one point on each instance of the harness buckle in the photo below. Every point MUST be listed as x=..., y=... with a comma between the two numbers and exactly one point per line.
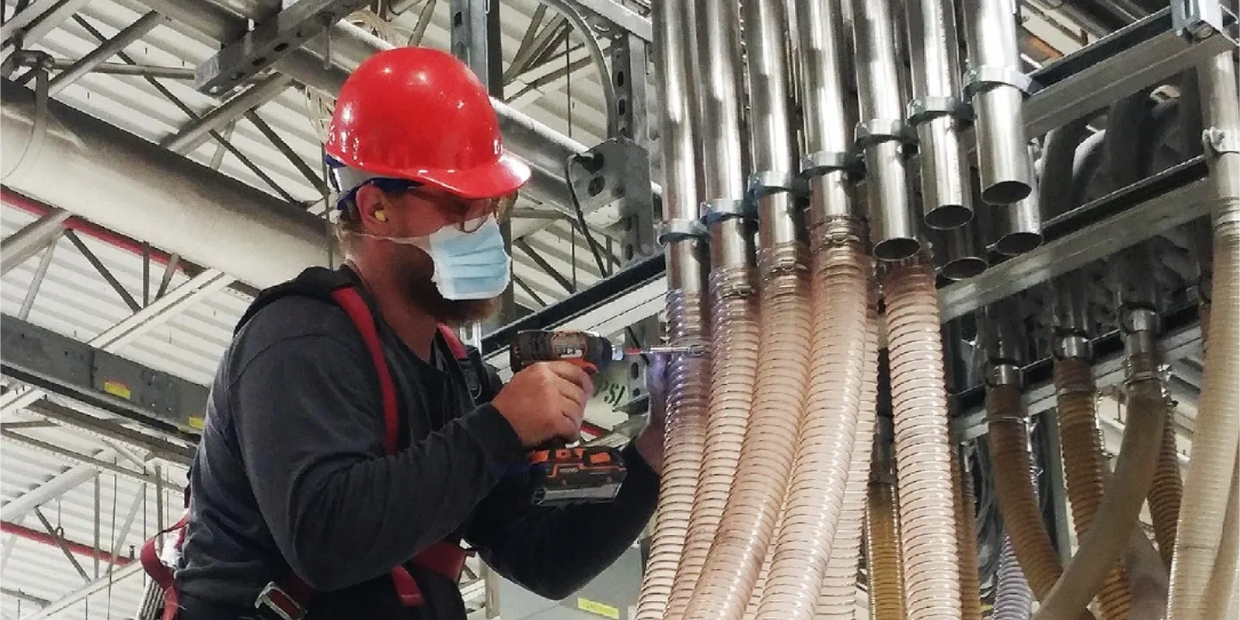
x=274, y=600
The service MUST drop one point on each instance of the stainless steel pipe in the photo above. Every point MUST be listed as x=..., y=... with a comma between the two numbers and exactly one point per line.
x=882, y=133
x=771, y=131
x=722, y=135
x=828, y=146
x=682, y=233
x=997, y=87
x=1018, y=227
x=958, y=252
x=936, y=110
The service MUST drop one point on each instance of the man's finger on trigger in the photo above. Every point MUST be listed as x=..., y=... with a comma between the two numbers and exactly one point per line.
x=572, y=372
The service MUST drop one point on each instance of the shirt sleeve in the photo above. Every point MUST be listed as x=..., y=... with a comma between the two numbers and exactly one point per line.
x=310, y=429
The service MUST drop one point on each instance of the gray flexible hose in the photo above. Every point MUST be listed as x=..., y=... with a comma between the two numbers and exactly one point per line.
x=1013, y=598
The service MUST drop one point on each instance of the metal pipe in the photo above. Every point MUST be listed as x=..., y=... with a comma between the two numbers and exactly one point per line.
x=196, y=133
x=995, y=85
x=766, y=23
x=721, y=141
x=958, y=252
x=937, y=111
x=830, y=155
x=18, y=247
x=96, y=57
x=206, y=217
x=882, y=132
x=1018, y=227
x=115, y=68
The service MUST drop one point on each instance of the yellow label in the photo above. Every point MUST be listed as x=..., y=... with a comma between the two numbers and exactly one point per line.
x=595, y=607
x=197, y=422
x=116, y=388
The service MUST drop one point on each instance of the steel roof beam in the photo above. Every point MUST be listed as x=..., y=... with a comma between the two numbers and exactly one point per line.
x=18, y=247
x=77, y=596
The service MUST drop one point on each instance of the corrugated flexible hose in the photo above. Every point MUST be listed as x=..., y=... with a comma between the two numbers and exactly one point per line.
x=1217, y=429
x=966, y=541
x=749, y=517
x=829, y=427
x=1013, y=598
x=922, y=443
x=1018, y=503
x=1167, y=491
x=837, y=599
x=1101, y=547
x=1083, y=465
x=684, y=440
x=734, y=369
x=883, y=550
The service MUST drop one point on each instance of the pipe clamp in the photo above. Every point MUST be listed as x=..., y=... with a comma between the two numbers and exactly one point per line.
x=878, y=130
x=822, y=162
x=680, y=229
x=720, y=209
x=978, y=79
x=767, y=182
x=1219, y=141
x=927, y=108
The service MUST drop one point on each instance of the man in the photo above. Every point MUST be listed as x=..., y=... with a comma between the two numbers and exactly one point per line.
x=293, y=491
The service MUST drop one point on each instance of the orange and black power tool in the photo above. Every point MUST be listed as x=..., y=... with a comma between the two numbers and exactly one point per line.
x=561, y=475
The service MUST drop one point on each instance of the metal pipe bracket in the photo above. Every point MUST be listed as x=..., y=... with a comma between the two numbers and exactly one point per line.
x=680, y=229
x=823, y=162
x=767, y=182
x=977, y=79
x=878, y=130
x=719, y=209
x=926, y=108
x=1218, y=141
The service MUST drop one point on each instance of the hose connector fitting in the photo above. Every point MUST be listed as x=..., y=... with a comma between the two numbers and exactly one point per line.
x=1001, y=374
x=1072, y=346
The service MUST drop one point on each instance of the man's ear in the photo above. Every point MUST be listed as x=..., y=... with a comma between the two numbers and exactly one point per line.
x=371, y=206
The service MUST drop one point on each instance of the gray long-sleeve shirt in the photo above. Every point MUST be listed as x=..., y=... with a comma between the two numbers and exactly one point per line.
x=291, y=473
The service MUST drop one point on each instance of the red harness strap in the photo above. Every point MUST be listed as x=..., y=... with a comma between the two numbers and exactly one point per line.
x=289, y=598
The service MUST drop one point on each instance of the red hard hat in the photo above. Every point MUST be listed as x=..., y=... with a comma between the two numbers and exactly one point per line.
x=420, y=114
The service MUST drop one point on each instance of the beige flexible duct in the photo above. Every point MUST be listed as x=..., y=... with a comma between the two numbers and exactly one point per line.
x=1217, y=428
x=1083, y=465
x=1101, y=547
x=749, y=517
x=682, y=457
x=816, y=488
x=1009, y=441
x=966, y=540
x=688, y=376
x=923, y=445
x=883, y=551
x=1167, y=491
x=734, y=333
x=837, y=600
x=1221, y=591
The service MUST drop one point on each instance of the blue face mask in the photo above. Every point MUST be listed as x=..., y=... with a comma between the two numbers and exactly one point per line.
x=468, y=265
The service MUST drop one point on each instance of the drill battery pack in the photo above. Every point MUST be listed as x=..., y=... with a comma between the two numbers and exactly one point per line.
x=581, y=475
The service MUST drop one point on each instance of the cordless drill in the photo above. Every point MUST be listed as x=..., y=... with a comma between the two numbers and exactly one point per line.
x=560, y=475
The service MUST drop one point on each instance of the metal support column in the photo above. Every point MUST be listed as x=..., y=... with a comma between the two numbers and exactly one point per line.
x=626, y=156
x=476, y=40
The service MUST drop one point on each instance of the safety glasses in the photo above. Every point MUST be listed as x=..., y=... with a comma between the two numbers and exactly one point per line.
x=472, y=213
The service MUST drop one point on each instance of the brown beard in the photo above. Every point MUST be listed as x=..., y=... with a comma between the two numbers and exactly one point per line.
x=415, y=270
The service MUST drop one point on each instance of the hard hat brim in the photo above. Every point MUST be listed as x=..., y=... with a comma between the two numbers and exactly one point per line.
x=507, y=175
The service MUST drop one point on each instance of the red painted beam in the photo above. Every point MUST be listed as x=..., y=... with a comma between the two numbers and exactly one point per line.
x=81, y=226
x=22, y=531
